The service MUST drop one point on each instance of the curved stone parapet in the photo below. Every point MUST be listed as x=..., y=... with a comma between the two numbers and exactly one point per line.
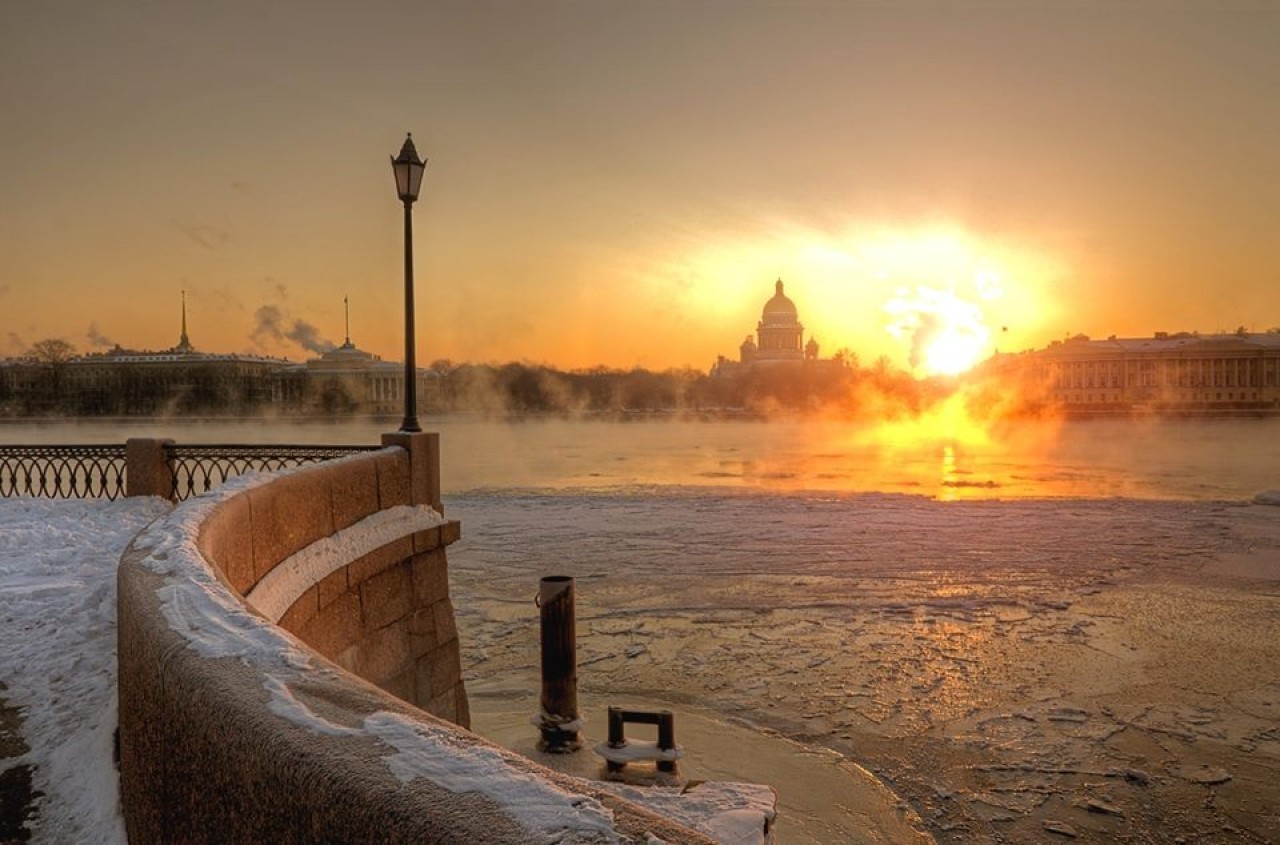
x=271, y=637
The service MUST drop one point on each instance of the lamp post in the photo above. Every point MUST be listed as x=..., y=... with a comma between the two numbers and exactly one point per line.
x=408, y=171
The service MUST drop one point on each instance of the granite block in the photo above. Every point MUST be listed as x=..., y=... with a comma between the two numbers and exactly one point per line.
x=384, y=653
x=355, y=491
x=446, y=666
x=336, y=627
x=393, y=479
x=332, y=586
x=446, y=624
x=301, y=611
x=430, y=578
x=422, y=631
x=386, y=597
x=378, y=560
x=288, y=514
x=226, y=541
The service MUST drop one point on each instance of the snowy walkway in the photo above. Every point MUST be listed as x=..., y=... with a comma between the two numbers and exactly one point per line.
x=57, y=666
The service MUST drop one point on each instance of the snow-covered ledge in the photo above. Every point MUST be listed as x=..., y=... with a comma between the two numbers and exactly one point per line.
x=232, y=728
x=290, y=580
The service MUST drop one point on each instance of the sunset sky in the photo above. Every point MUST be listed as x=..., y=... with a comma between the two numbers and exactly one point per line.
x=621, y=183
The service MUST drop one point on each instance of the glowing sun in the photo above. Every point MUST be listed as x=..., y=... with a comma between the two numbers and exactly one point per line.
x=948, y=334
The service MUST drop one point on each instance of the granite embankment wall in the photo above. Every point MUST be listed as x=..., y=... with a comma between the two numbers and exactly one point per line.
x=273, y=639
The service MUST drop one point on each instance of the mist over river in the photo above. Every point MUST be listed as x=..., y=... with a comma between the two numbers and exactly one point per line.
x=1046, y=631
x=1181, y=459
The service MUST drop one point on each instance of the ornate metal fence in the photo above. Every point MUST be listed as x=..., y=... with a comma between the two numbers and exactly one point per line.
x=62, y=472
x=197, y=469
x=100, y=472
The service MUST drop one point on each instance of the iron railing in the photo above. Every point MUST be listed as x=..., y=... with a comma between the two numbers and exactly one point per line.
x=63, y=472
x=100, y=472
x=197, y=469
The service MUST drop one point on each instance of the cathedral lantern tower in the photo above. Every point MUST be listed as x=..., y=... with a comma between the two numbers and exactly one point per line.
x=781, y=336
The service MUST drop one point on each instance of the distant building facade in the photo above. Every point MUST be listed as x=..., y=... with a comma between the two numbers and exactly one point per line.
x=779, y=339
x=122, y=382
x=125, y=381
x=1168, y=373
x=348, y=378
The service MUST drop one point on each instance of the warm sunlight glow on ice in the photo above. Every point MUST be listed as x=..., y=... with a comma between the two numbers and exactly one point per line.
x=949, y=437
x=945, y=426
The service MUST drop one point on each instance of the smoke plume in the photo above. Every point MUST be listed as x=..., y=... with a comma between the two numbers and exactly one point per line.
x=273, y=327
x=97, y=338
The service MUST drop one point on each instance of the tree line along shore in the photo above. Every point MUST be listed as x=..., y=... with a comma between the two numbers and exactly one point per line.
x=51, y=388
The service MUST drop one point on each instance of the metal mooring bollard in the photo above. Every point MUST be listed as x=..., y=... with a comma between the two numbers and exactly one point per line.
x=666, y=745
x=559, y=721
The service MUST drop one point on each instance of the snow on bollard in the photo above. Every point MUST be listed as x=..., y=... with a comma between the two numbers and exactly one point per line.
x=619, y=750
x=559, y=721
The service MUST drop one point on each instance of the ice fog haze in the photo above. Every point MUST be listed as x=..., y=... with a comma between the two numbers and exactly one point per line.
x=1179, y=459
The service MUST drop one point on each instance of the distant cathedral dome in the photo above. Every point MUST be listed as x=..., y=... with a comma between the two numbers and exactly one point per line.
x=779, y=339
x=779, y=309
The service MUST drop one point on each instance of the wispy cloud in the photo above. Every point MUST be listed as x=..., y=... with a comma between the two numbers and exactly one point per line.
x=205, y=236
x=215, y=301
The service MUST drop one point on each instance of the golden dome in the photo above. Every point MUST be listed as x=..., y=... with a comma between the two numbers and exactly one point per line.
x=779, y=309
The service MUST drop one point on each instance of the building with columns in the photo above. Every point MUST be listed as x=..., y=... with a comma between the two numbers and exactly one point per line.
x=779, y=339
x=180, y=379
x=184, y=380
x=1168, y=373
x=348, y=378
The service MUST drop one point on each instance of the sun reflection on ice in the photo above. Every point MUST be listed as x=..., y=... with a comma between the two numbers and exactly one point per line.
x=946, y=443
x=947, y=493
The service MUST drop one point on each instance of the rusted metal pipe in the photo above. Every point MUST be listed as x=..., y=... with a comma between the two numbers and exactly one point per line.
x=559, y=721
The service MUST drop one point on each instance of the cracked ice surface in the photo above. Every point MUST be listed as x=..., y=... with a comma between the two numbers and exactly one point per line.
x=1103, y=668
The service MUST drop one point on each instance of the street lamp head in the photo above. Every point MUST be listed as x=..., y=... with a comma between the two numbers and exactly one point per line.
x=408, y=169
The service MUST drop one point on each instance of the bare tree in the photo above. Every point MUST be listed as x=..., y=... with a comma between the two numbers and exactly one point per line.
x=53, y=351
x=847, y=358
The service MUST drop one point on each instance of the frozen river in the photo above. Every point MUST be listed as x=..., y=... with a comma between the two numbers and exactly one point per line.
x=1105, y=668
x=945, y=458
x=1053, y=630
